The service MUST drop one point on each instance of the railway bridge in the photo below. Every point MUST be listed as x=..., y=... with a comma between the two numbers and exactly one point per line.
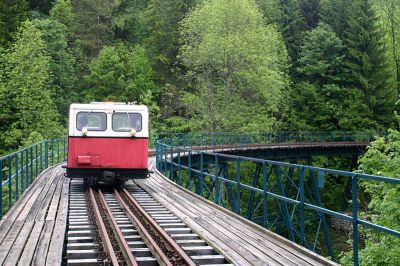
x=213, y=199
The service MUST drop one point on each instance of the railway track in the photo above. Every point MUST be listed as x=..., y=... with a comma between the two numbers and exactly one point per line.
x=129, y=227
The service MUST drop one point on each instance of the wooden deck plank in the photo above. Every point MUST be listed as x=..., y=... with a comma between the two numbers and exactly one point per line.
x=39, y=208
x=39, y=258
x=54, y=190
x=20, y=204
x=19, y=245
x=258, y=242
x=54, y=255
x=233, y=251
x=306, y=256
x=223, y=233
x=27, y=215
x=29, y=250
x=55, y=201
x=276, y=239
x=14, y=212
x=247, y=233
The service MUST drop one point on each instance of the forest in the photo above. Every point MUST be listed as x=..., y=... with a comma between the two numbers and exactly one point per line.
x=211, y=66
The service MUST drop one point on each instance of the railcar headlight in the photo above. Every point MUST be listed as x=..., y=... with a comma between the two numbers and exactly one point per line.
x=133, y=132
x=84, y=131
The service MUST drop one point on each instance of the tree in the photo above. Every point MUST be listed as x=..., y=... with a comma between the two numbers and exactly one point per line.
x=330, y=108
x=42, y=6
x=366, y=61
x=94, y=24
x=26, y=97
x=382, y=158
x=12, y=14
x=336, y=14
x=62, y=63
x=162, y=35
x=390, y=19
x=292, y=26
x=310, y=11
x=130, y=21
x=121, y=74
x=321, y=56
x=62, y=12
x=238, y=63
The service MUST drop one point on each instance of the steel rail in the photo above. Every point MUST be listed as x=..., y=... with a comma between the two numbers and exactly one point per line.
x=181, y=257
x=126, y=251
x=105, y=239
x=161, y=258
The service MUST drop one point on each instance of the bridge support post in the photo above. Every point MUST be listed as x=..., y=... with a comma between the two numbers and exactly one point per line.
x=323, y=221
x=157, y=156
x=1, y=189
x=265, y=194
x=284, y=210
x=31, y=164
x=189, y=170
x=179, y=166
x=355, y=219
x=27, y=168
x=229, y=191
x=46, y=154
x=302, y=229
x=238, y=186
x=22, y=171
x=16, y=176
x=201, y=181
x=64, y=149
x=171, y=163
x=36, y=160
x=250, y=205
x=9, y=182
x=216, y=182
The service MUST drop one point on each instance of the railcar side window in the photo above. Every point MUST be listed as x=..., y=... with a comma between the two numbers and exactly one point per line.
x=124, y=122
x=93, y=121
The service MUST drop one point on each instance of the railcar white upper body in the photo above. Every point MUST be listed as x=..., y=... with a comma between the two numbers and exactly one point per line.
x=110, y=109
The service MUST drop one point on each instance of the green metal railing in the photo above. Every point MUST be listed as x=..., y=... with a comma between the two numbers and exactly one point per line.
x=221, y=140
x=292, y=189
x=19, y=169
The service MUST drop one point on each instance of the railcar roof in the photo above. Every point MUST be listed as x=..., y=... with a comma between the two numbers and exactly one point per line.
x=108, y=106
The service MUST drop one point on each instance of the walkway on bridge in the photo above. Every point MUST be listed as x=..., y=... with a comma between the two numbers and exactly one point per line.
x=33, y=231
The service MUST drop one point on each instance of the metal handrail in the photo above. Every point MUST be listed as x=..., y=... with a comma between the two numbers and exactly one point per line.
x=19, y=169
x=169, y=151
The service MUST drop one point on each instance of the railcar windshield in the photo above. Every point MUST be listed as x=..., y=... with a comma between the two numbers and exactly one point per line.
x=93, y=121
x=124, y=122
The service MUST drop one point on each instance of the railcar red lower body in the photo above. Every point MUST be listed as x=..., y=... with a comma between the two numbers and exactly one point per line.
x=102, y=157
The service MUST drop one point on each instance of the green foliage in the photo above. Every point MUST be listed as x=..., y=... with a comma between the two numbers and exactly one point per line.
x=129, y=21
x=94, y=24
x=321, y=56
x=366, y=61
x=42, y=6
x=25, y=94
x=331, y=107
x=234, y=59
x=12, y=13
x=381, y=158
x=161, y=20
x=62, y=12
x=292, y=25
x=309, y=9
x=62, y=62
x=121, y=74
x=336, y=14
x=389, y=13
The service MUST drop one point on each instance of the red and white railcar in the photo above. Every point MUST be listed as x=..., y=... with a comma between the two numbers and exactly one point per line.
x=108, y=142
